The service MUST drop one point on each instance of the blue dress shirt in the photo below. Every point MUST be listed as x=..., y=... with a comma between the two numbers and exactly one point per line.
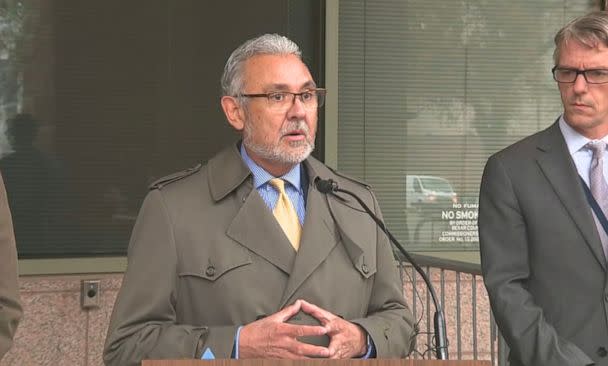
x=580, y=155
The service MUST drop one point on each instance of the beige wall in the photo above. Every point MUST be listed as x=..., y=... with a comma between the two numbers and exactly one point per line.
x=54, y=329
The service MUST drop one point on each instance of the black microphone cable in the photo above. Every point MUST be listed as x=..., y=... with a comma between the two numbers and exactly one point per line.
x=329, y=186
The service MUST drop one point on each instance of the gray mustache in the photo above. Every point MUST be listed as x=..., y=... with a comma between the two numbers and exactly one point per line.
x=295, y=126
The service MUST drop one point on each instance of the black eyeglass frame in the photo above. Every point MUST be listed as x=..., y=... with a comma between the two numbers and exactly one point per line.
x=578, y=72
x=319, y=92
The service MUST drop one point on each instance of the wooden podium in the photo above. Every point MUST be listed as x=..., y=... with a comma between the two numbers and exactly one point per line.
x=274, y=362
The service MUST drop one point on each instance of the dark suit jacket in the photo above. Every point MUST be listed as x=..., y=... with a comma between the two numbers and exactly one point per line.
x=541, y=255
x=207, y=255
x=10, y=310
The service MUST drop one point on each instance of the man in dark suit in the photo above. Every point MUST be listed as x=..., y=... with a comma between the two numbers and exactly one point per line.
x=10, y=309
x=543, y=247
x=227, y=261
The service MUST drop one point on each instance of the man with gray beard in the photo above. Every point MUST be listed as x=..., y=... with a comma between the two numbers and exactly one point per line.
x=242, y=257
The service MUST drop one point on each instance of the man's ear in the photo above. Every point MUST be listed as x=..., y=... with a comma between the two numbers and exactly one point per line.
x=235, y=114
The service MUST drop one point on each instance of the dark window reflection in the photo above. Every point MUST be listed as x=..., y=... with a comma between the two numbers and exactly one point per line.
x=35, y=184
x=99, y=99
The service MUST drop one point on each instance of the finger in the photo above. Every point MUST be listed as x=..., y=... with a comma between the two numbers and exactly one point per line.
x=287, y=312
x=310, y=350
x=299, y=349
x=296, y=330
x=320, y=314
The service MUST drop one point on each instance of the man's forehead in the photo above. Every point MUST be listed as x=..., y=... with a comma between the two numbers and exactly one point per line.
x=575, y=51
x=280, y=72
x=590, y=44
x=286, y=87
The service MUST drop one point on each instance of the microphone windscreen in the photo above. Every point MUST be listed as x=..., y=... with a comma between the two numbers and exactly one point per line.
x=326, y=185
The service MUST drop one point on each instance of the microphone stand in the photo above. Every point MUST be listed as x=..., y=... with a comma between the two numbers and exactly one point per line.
x=441, y=347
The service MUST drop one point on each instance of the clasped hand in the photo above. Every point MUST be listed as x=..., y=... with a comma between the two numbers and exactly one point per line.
x=273, y=337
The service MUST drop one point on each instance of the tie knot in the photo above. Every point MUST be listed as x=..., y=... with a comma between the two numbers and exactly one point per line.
x=279, y=184
x=598, y=147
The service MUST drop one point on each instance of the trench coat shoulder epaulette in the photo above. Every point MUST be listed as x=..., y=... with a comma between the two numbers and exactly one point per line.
x=171, y=178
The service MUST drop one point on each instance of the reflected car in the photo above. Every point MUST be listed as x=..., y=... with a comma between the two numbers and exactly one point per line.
x=427, y=191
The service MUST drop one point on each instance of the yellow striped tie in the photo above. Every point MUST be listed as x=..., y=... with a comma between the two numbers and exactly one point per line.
x=286, y=214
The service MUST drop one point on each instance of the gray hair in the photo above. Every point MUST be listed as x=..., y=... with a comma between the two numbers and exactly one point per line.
x=590, y=30
x=267, y=44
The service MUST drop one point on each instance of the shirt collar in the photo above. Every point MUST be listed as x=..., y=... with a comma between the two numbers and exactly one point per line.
x=574, y=140
x=261, y=176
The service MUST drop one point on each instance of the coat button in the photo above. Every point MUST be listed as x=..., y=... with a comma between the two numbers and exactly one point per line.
x=364, y=268
x=210, y=271
x=602, y=352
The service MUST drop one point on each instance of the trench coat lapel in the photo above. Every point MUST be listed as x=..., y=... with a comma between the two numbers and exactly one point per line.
x=556, y=164
x=255, y=228
x=253, y=225
x=326, y=218
x=319, y=237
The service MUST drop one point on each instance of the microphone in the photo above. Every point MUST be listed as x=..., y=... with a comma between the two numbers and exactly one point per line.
x=326, y=185
x=329, y=186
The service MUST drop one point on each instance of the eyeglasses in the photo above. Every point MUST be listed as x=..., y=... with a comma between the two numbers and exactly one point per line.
x=283, y=100
x=592, y=76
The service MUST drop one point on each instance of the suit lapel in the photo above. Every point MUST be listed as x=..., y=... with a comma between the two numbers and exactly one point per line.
x=556, y=163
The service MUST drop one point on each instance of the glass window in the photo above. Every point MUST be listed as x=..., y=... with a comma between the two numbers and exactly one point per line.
x=429, y=90
x=99, y=99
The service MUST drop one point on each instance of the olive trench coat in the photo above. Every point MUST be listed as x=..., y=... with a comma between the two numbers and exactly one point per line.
x=207, y=255
x=10, y=309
